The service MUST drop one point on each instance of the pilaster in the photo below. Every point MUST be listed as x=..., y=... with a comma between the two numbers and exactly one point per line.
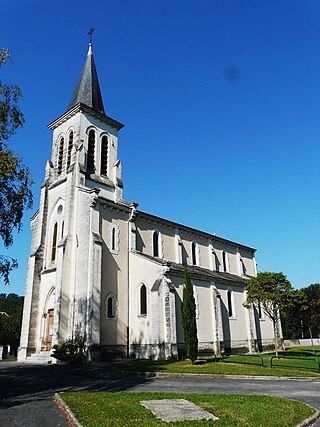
x=250, y=328
x=94, y=274
x=23, y=349
x=218, y=340
x=169, y=295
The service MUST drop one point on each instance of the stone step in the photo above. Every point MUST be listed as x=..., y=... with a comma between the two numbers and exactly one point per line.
x=42, y=357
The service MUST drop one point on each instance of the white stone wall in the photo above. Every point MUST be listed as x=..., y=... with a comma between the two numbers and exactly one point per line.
x=302, y=341
x=114, y=274
x=235, y=330
x=236, y=325
x=249, y=262
x=146, y=330
x=176, y=246
x=83, y=262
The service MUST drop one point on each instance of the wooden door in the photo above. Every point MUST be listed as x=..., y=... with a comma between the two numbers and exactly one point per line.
x=49, y=329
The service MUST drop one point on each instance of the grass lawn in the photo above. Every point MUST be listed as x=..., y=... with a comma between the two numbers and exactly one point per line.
x=234, y=366
x=308, y=349
x=124, y=409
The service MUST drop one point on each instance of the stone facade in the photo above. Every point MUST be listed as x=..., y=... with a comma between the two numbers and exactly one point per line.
x=101, y=269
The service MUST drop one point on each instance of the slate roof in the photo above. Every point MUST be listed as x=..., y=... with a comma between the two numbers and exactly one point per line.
x=87, y=90
x=198, y=272
x=203, y=273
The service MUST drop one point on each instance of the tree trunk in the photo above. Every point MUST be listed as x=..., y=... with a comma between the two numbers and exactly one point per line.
x=275, y=337
x=310, y=332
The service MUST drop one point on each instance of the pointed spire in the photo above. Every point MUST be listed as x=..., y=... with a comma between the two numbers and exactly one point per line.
x=87, y=90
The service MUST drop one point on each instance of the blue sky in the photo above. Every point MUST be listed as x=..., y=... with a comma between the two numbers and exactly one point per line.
x=221, y=106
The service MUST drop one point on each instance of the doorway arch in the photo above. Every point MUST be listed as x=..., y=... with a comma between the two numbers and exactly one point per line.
x=48, y=315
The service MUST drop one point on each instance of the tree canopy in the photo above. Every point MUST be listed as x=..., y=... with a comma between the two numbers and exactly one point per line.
x=10, y=303
x=272, y=291
x=11, y=306
x=15, y=179
x=312, y=312
x=302, y=320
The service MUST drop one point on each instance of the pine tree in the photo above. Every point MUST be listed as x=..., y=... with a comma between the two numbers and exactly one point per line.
x=188, y=319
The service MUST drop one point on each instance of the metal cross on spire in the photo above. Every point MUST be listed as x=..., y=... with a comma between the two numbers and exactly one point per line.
x=90, y=34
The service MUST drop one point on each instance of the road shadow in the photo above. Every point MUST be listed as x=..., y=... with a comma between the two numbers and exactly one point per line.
x=22, y=383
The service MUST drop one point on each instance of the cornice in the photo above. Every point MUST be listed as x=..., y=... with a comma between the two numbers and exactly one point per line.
x=85, y=109
x=192, y=231
x=121, y=206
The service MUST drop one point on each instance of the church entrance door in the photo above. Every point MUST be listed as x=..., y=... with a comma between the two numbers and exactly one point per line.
x=49, y=329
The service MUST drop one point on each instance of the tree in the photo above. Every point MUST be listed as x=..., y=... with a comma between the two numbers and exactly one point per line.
x=10, y=303
x=302, y=320
x=292, y=317
x=311, y=316
x=273, y=292
x=188, y=319
x=15, y=180
x=10, y=323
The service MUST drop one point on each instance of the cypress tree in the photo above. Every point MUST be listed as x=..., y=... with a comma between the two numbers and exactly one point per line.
x=188, y=319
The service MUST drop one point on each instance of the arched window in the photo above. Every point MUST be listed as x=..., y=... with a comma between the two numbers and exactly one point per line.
x=216, y=262
x=230, y=303
x=113, y=239
x=91, y=150
x=155, y=243
x=54, y=243
x=243, y=267
x=111, y=307
x=60, y=155
x=225, y=261
x=260, y=311
x=194, y=253
x=143, y=300
x=104, y=156
x=69, y=148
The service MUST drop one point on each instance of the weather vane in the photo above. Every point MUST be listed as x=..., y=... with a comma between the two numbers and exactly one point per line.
x=90, y=34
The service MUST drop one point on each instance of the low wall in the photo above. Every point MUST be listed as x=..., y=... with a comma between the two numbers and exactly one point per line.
x=302, y=342
x=4, y=351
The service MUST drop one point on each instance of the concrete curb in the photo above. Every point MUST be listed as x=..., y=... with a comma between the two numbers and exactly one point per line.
x=75, y=423
x=65, y=408
x=148, y=374
x=310, y=421
x=238, y=377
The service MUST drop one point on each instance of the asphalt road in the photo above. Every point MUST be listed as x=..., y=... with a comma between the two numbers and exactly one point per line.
x=303, y=390
x=26, y=390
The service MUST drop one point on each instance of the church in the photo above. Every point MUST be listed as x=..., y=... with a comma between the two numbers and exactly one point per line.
x=101, y=269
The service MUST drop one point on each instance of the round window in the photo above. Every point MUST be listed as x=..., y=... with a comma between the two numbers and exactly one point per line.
x=60, y=209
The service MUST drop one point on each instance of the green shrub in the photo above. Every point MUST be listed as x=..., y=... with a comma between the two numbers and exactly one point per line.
x=72, y=351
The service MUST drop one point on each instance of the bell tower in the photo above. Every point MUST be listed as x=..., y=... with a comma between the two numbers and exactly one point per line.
x=64, y=270
x=86, y=129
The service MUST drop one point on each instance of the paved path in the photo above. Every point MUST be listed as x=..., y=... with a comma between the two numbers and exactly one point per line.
x=26, y=390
